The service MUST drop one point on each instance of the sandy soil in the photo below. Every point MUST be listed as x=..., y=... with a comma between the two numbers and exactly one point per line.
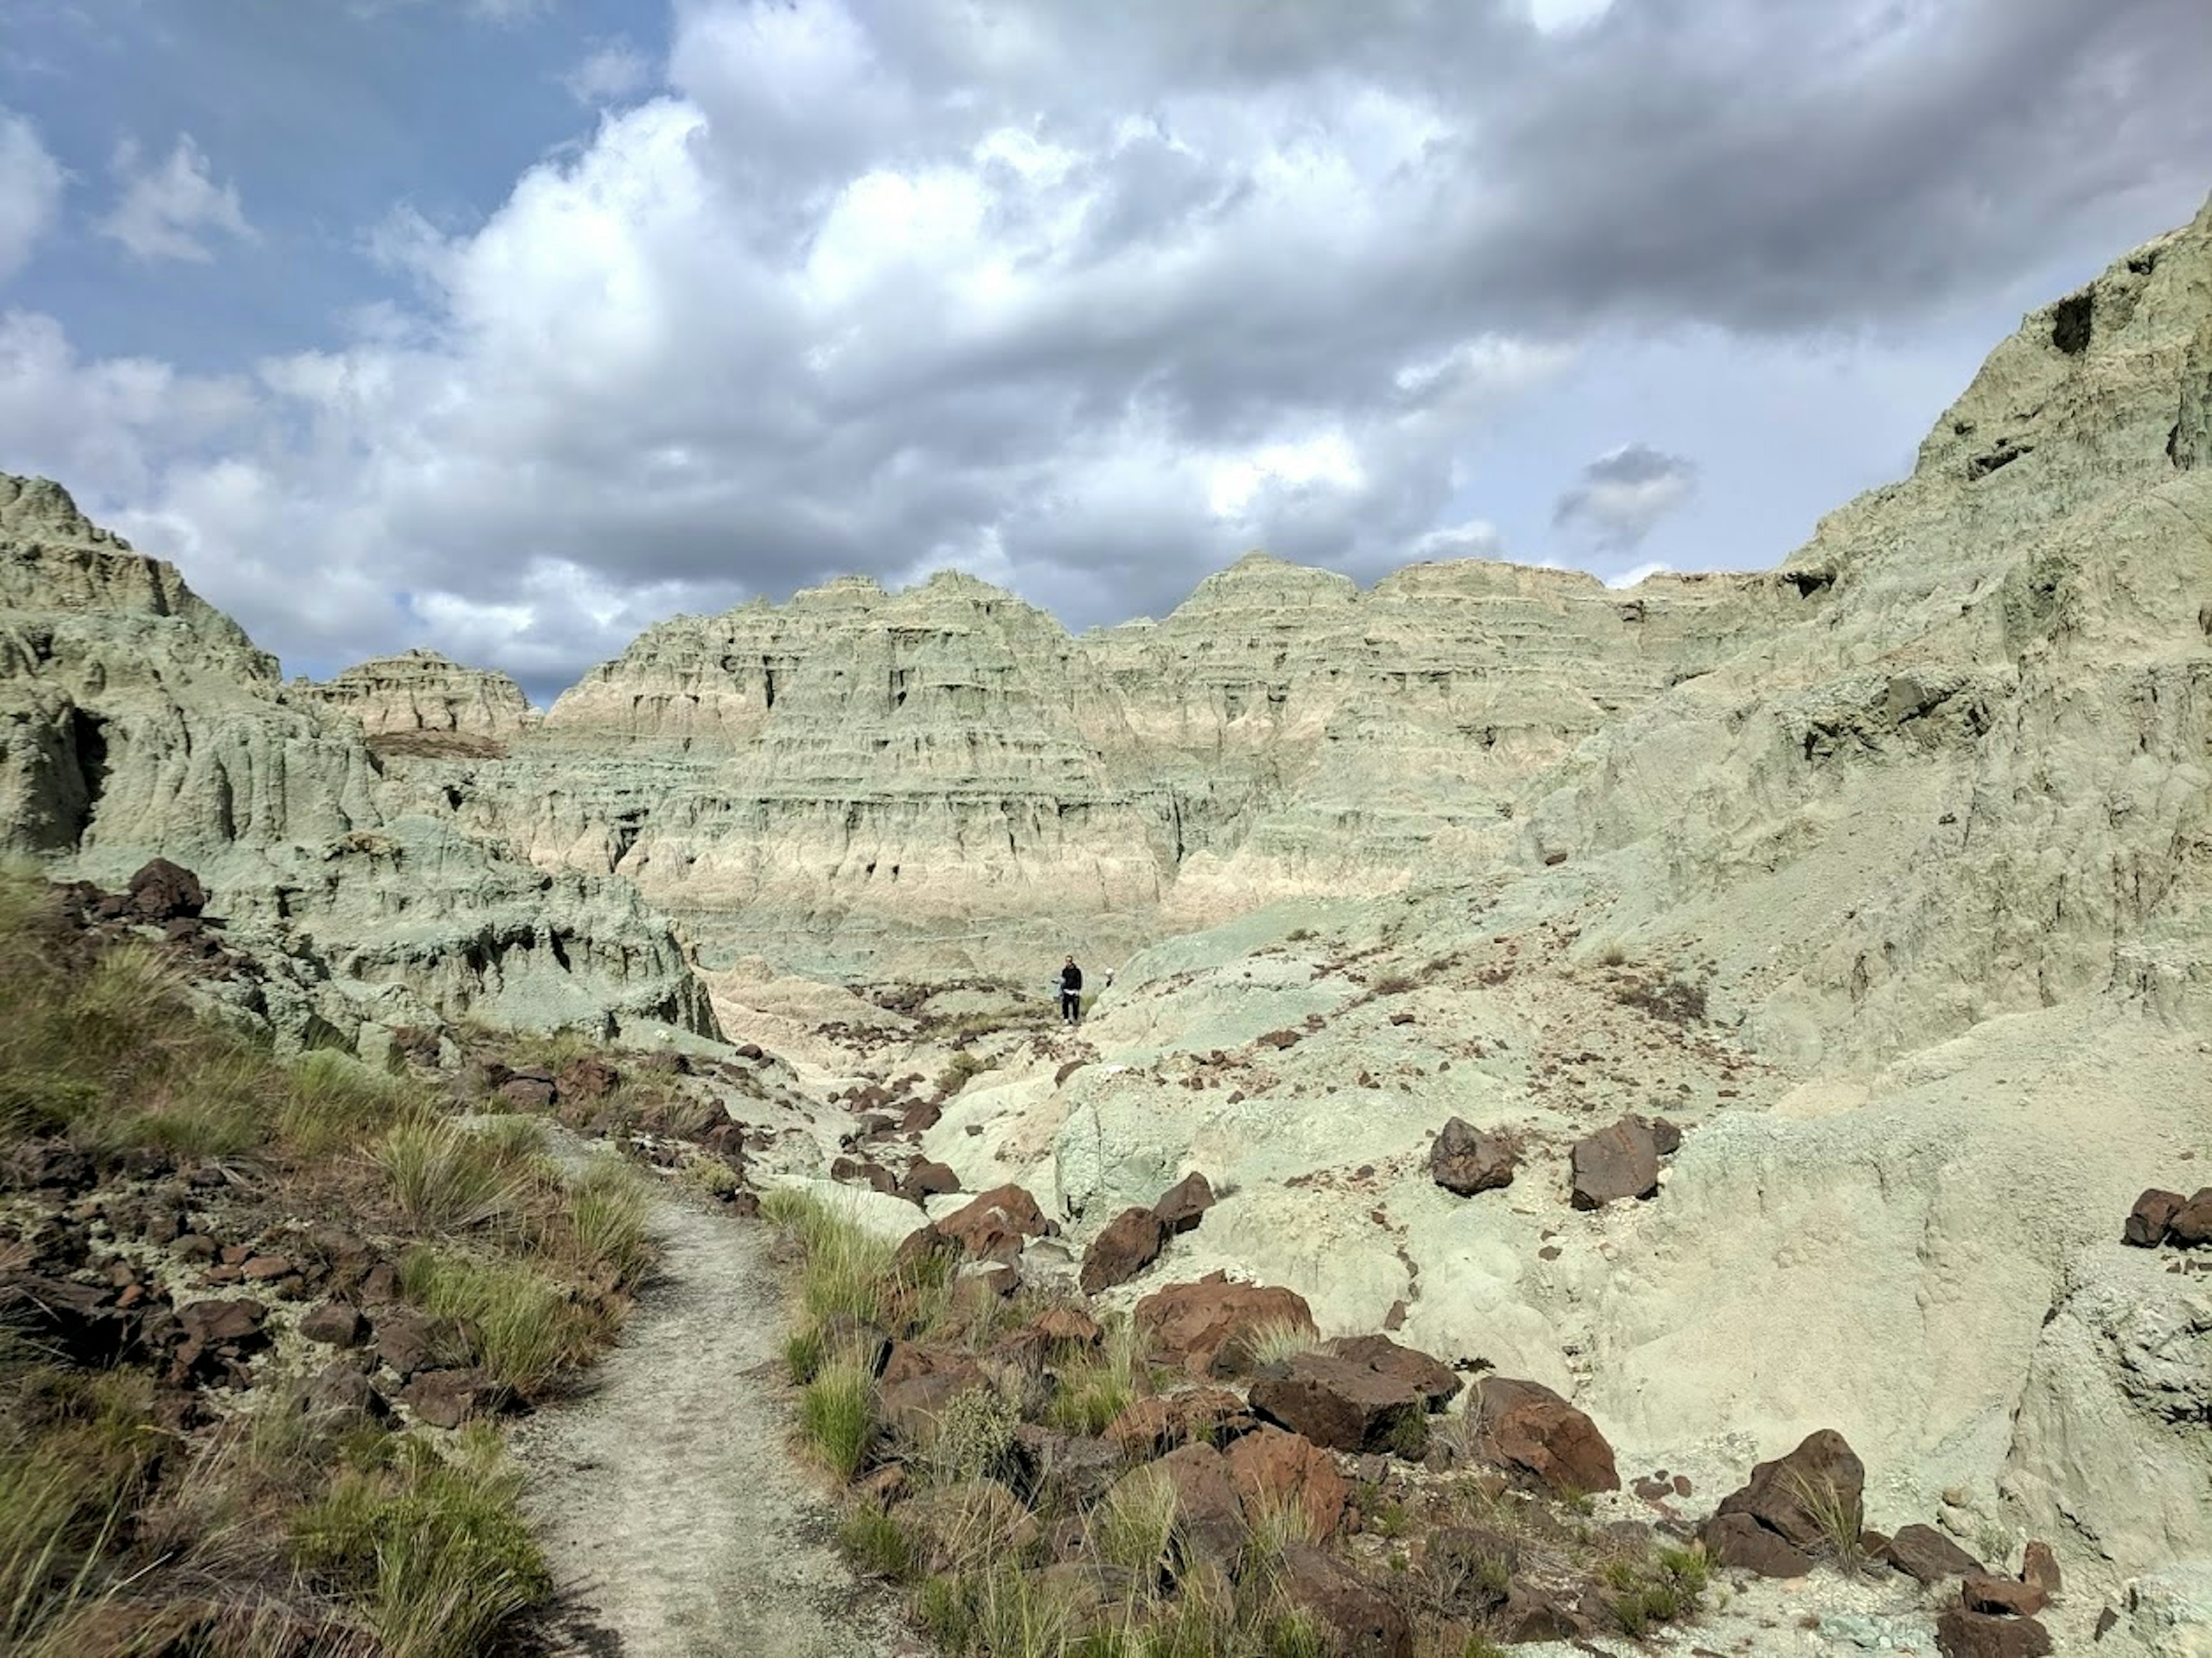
x=676, y=1522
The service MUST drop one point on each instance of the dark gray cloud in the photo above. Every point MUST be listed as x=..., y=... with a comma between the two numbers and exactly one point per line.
x=1623, y=494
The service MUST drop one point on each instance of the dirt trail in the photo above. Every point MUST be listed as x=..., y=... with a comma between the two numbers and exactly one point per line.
x=672, y=1512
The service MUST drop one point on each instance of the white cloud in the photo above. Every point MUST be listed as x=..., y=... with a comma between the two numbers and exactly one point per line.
x=31, y=184
x=612, y=71
x=167, y=211
x=1086, y=301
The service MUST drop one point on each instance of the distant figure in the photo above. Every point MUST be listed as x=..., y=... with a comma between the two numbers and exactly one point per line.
x=1071, y=992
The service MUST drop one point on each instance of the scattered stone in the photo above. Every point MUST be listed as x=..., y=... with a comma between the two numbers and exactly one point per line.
x=1430, y=1379
x=2040, y=1567
x=1466, y=1161
x=994, y=1225
x=1960, y=1633
x=2191, y=1225
x=2002, y=1595
x=1616, y=1163
x=1074, y=1467
x=929, y=1180
x=1361, y=1620
x=587, y=1077
x=1205, y=1327
x=1185, y=1203
x=528, y=1093
x=266, y=1269
x=1210, y=1518
x=447, y=1398
x=45, y=1165
x=1152, y=1426
x=1271, y=1467
x=1926, y=1556
x=222, y=1323
x=1737, y=1539
x=163, y=891
x=409, y=1340
x=336, y=1322
x=1130, y=1244
x=1783, y=1494
x=1526, y=1428
x=343, y=1389
x=1069, y=1327
x=2154, y=1213
x=861, y=1171
x=1342, y=1404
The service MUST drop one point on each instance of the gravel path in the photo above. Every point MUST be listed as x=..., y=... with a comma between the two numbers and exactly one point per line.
x=675, y=1520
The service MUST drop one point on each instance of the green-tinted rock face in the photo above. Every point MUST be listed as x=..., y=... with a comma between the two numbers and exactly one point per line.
x=137, y=720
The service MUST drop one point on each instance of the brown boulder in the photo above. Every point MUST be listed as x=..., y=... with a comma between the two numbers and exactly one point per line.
x=163, y=891
x=2191, y=1225
x=447, y=1398
x=1431, y=1378
x=1185, y=1203
x=1526, y=1427
x=1533, y=1614
x=861, y=1171
x=1068, y=1327
x=1466, y=1161
x=336, y=1322
x=409, y=1340
x=2040, y=1567
x=1788, y=1495
x=1342, y=1404
x=1737, y=1539
x=1072, y=1467
x=929, y=1180
x=2003, y=1596
x=1209, y=1520
x=994, y=1225
x=2154, y=1213
x=1960, y=1633
x=1616, y=1163
x=1359, y=1621
x=587, y=1077
x=528, y=1093
x=1130, y=1244
x=1926, y=1556
x=342, y=1389
x=1205, y=1327
x=1271, y=1468
x=222, y=1323
x=1147, y=1427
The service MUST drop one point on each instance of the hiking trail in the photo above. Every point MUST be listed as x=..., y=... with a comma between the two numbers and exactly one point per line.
x=672, y=1512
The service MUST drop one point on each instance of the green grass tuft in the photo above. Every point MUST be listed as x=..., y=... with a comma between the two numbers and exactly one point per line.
x=837, y=1415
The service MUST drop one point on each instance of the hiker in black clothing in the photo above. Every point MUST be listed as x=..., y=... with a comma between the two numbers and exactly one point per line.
x=1071, y=991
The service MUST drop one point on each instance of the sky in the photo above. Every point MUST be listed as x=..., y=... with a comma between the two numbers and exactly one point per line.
x=509, y=327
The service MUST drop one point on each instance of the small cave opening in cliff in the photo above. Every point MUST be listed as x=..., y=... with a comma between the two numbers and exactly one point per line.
x=87, y=735
x=2071, y=321
x=2002, y=456
x=560, y=950
x=1809, y=582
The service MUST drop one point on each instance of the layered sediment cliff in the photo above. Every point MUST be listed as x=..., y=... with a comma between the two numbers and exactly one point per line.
x=138, y=721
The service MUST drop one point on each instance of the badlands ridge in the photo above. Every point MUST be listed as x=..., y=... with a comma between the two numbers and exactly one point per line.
x=1887, y=875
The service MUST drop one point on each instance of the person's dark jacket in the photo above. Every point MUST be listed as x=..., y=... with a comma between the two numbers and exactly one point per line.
x=1071, y=980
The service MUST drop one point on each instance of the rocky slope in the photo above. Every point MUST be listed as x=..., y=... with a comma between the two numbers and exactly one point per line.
x=422, y=695
x=939, y=780
x=137, y=722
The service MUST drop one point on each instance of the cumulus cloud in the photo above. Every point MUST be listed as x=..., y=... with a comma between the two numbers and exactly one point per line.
x=1624, y=493
x=167, y=210
x=611, y=71
x=31, y=184
x=1089, y=300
